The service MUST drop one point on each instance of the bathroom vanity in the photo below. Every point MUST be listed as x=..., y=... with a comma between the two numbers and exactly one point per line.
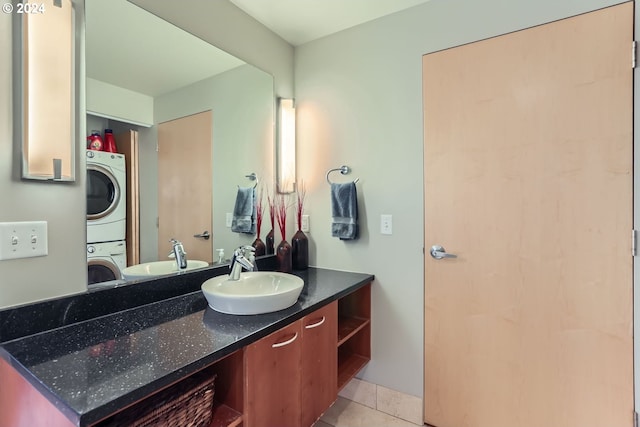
x=280, y=368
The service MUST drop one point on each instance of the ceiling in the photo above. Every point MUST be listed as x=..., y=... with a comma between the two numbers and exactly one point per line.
x=301, y=21
x=133, y=49
x=129, y=47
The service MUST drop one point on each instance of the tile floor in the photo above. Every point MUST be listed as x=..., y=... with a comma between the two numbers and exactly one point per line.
x=346, y=413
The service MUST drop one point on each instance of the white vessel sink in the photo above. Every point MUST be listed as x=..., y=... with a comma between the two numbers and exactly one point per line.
x=254, y=293
x=158, y=268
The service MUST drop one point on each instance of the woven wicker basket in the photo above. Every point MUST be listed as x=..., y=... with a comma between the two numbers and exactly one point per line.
x=186, y=404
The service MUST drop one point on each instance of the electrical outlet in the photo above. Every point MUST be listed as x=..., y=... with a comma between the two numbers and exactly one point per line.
x=229, y=219
x=305, y=223
x=23, y=239
x=386, y=224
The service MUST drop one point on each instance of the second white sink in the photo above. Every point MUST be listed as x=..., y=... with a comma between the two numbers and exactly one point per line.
x=158, y=268
x=254, y=293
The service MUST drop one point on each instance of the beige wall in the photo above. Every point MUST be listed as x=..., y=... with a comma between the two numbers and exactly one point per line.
x=359, y=102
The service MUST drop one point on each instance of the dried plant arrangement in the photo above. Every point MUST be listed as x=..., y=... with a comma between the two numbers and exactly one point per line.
x=259, y=211
x=272, y=208
x=281, y=207
x=300, y=195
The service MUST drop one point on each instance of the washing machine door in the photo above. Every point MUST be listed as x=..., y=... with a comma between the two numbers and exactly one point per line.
x=101, y=271
x=103, y=192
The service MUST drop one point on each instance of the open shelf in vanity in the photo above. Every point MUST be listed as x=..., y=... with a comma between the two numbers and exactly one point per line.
x=228, y=403
x=354, y=333
x=227, y=399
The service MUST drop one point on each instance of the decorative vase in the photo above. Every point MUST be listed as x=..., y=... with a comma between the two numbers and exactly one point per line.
x=259, y=246
x=270, y=241
x=283, y=257
x=300, y=250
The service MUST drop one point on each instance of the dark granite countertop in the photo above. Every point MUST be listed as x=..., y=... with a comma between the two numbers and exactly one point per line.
x=95, y=367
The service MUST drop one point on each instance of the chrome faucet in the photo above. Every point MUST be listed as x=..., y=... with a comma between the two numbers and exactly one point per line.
x=179, y=254
x=239, y=260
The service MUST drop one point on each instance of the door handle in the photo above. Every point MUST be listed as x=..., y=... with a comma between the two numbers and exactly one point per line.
x=438, y=252
x=204, y=235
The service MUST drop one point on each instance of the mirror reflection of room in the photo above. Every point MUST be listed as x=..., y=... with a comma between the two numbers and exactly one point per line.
x=174, y=125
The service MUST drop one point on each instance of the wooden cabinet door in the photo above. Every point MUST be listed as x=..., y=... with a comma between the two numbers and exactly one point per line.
x=319, y=362
x=272, y=379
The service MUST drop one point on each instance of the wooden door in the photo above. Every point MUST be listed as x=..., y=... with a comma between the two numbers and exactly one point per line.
x=272, y=379
x=528, y=180
x=319, y=377
x=185, y=182
x=127, y=143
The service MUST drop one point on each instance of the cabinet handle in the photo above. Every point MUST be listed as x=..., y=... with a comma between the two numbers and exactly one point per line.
x=315, y=325
x=287, y=342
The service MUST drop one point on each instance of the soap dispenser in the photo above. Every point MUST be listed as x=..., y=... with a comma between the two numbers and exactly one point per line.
x=221, y=256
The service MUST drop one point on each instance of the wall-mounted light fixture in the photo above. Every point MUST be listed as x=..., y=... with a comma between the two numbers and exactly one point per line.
x=45, y=97
x=286, y=146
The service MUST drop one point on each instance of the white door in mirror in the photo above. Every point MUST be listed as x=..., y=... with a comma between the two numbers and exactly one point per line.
x=23, y=239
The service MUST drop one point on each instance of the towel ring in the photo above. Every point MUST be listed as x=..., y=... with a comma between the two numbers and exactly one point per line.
x=343, y=170
x=253, y=177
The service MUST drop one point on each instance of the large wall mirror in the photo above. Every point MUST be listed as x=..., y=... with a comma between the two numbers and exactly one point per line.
x=159, y=89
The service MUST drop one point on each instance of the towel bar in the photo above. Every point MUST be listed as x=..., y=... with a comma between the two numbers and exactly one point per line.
x=343, y=170
x=253, y=177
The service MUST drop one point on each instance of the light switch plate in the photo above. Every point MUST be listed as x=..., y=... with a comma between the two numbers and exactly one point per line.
x=305, y=223
x=386, y=224
x=229, y=219
x=23, y=239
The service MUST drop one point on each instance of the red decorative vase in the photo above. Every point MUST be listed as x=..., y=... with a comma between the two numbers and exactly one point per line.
x=259, y=246
x=270, y=242
x=300, y=251
x=284, y=259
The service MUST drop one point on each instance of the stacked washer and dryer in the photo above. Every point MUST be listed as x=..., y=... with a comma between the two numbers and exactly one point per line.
x=106, y=216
